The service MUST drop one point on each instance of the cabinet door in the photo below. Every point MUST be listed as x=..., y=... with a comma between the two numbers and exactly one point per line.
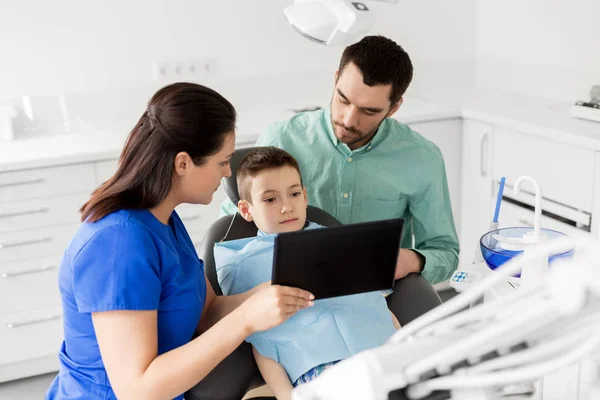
x=565, y=173
x=447, y=135
x=476, y=194
x=105, y=169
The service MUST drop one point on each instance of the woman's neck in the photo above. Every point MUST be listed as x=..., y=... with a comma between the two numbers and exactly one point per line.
x=164, y=209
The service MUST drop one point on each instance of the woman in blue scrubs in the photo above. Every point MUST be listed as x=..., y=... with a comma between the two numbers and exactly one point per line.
x=133, y=289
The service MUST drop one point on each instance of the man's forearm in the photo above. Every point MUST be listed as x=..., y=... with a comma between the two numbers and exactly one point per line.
x=440, y=265
x=408, y=261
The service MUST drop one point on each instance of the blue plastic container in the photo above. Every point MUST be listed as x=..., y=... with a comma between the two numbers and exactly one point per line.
x=495, y=256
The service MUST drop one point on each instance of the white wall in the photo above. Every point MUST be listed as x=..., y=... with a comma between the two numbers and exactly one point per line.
x=439, y=35
x=51, y=47
x=99, y=55
x=546, y=48
x=74, y=46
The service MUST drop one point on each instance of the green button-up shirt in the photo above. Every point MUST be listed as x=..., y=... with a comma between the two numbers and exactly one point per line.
x=399, y=174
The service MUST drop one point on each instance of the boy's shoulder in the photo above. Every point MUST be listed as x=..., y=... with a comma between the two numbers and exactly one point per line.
x=241, y=244
x=314, y=225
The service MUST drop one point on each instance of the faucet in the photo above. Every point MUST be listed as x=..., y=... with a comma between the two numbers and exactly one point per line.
x=538, y=201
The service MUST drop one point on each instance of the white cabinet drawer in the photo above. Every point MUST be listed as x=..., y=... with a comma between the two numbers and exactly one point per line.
x=588, y=377
x=104, y=170
x=192, y=214
x=30, y=335
x=29, y=214
x=35, y=243
x=29, y=284
x=37, y=183
x=197, y=219
x=197, y=236
x=201, y=214
x=565, y=173
x=448, y=137
x=514, y=215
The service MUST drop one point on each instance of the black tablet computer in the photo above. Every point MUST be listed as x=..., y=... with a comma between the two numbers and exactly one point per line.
x=339, y=261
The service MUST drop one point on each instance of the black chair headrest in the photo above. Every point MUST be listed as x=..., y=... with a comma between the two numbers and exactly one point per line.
x=230, y=184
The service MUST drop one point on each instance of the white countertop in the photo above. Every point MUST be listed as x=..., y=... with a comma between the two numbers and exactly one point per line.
x=253, y=117
x=531, y=115
x=67, y=149
x=535, y=116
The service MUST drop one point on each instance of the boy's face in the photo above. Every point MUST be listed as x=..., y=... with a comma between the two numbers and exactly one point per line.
x=278, y=201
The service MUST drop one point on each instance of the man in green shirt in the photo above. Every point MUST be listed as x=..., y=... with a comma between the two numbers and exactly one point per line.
x=360, y=165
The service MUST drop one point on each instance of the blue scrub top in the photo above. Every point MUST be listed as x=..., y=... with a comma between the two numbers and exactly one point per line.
x=128, y=260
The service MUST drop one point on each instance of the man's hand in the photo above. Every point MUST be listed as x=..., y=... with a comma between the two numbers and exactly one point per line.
x=408, y=261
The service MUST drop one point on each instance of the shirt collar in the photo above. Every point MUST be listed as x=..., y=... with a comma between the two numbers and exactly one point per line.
x=261, y=233
x=329, y=125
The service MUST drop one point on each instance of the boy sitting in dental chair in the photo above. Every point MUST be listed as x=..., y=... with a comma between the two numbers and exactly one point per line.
x=317, y=337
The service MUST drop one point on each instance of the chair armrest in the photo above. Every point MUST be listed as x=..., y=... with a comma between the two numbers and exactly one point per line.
x=413, y=296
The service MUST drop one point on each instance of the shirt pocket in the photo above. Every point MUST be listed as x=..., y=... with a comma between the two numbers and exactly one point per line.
x=379, y=209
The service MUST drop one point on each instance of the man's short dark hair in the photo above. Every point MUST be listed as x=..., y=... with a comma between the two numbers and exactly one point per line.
x=381, y=62
x=260, y=159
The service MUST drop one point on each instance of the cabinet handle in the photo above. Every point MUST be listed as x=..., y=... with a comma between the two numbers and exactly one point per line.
x=47, y=268
x=20, y=183
x=25, y=212
x=6, y=245
x=525, y=221
x=14, y=325
x=482, y=168
x=191, y=217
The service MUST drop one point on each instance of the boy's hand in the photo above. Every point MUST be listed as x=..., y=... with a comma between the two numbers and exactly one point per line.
x=270, y=305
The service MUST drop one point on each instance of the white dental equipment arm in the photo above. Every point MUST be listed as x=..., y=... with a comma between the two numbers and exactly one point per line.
x=487, y=350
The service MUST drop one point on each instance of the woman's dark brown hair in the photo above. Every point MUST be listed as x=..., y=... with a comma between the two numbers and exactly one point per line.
x=182, y=117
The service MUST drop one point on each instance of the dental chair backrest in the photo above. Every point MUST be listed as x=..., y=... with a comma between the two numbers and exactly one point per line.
x=236, y=227
x=238, y=373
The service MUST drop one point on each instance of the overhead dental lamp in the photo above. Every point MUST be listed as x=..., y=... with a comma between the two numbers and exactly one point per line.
x=332, y=22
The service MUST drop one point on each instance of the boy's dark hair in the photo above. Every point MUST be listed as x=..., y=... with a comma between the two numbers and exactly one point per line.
x=260, y=159
x=381, y=62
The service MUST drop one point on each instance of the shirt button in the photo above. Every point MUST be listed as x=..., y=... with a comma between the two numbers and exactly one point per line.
x=349, y=159
x=345, y=195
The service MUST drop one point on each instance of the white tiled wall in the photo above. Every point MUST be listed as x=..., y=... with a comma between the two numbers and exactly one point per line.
x=547, y=48
x=73, y=46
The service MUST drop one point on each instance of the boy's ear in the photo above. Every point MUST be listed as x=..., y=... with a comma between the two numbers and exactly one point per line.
x=305, y=195
x=244, y=208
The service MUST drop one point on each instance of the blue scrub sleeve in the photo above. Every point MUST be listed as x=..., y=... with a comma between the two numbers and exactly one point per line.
x=118, y=269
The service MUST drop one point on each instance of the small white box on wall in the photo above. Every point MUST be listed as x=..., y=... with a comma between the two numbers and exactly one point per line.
x=586, y=110
x=7, y=113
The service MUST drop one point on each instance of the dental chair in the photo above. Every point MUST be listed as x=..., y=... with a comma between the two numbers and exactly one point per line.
x=238, y=373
